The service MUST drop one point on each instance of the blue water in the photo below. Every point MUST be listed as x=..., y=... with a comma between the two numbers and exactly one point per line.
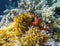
x=4, y=4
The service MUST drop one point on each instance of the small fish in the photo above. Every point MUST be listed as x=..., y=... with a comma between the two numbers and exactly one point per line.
x=36, y=21
x=46, y=28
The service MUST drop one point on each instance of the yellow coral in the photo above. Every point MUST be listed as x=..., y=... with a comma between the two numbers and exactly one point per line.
x=34, y=37
x=18, y=33
x=23, y=20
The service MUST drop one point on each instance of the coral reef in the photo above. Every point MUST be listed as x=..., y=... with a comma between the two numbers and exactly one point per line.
x=18, y=32
x=17, y=29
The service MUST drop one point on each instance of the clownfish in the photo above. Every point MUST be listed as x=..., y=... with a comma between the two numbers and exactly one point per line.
x=36, y=21
x=46, y=28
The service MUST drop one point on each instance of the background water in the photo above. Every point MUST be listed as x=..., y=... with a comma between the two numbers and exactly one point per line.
x=4, y=4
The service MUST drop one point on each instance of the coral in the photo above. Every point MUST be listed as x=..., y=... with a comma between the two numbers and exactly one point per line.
x=17, y=32
x=17, y=28
x=24, y=20
x=35, y=37
x=9, y=17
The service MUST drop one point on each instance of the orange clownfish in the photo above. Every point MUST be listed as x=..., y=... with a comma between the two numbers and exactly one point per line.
x=46, y=28
x=36, y=21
